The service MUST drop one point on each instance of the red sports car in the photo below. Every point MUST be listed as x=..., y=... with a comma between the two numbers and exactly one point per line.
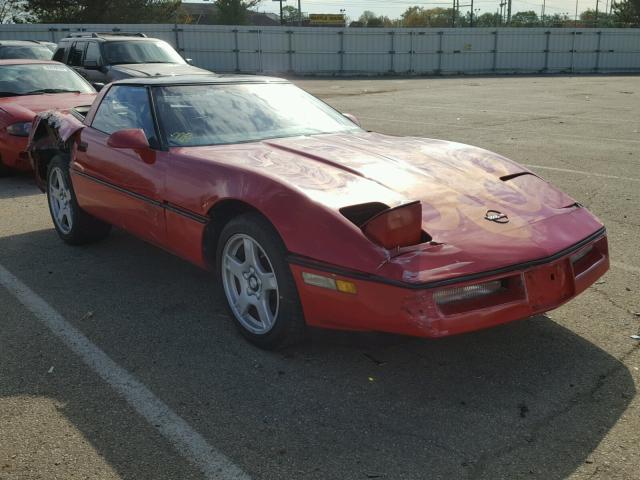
x=309, y=220
x=26, y=88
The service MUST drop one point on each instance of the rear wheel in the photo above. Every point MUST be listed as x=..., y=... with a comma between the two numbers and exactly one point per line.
x=257, y=283
x=72, y=224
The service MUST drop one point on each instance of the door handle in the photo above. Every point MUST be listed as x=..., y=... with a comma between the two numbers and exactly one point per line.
x=82, y=146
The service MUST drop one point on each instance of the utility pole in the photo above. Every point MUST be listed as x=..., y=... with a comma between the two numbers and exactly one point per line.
x=453, y=15
x=542, y=12
x=471, y=19
x=509, y=13
x=281, y=18
x=595, y=20
x=299, y=14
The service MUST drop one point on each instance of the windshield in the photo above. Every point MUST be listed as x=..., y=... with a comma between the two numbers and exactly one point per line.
x=195, y=115
x=25, y=51
x=38, y=78
x=140, y=51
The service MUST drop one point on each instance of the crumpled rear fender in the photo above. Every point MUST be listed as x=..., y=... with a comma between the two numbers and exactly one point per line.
x=52, y=133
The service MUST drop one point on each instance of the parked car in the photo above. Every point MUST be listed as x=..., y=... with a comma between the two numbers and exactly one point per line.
x=105, y=57
x=33, y=49
x=306, y=218
x=26, y=88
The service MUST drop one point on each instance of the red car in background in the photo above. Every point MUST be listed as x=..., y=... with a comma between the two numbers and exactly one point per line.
x=306, y=218
x=28, y=87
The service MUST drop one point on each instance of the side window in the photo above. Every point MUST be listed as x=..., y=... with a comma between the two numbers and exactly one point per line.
x=92, y=56
x=59, y=55
x=75, y=54
x=125, y=107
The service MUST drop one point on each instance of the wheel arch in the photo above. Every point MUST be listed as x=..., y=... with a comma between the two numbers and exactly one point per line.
x=221, y=213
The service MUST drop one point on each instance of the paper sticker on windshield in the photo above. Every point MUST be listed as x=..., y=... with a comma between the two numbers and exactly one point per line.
x=55, y=68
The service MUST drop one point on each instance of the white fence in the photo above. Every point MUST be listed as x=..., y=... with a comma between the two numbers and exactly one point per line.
x=369, y=51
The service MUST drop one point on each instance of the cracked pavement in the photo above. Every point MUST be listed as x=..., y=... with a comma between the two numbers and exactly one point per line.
x=550, y=397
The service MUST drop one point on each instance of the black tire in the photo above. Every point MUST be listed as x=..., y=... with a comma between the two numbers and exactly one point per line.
x=83, y=228
x=289, y=326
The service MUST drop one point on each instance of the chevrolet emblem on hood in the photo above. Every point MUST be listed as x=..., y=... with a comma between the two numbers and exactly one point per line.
x=496, y=216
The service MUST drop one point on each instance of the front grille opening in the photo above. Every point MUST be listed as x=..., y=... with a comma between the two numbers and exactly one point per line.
x=463, y=299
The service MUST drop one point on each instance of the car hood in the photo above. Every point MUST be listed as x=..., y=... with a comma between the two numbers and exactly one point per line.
x=26, y=107
x=156, y=69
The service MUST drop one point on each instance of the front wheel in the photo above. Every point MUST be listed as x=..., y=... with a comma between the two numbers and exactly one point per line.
x=72, y=224
x=257, y=283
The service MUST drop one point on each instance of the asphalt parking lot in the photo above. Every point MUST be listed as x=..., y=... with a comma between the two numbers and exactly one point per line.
x=550, y=397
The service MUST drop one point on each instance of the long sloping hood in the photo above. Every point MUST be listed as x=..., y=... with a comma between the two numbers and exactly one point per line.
x=457, y=185
x=156, y=69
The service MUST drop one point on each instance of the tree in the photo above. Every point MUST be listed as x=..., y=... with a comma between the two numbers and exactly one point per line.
x=423, y=17
x=525, y=19
x=12, y=11
x=627, y=12
x=487, y=20
x=290, y=14
x=234, y=12
x=106, y=11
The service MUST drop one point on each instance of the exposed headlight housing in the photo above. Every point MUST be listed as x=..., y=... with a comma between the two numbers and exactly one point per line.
x=20, y=129
x=396, y=227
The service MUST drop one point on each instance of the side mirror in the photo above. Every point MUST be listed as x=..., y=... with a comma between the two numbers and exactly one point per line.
x=91, y=65
x=353, y=118
x=134, y=139
x=189, y=61
x=97, y=85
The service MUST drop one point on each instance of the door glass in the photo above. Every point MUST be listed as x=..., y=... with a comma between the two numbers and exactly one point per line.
x=125, y=107
x=75, y=54
x=93, y=53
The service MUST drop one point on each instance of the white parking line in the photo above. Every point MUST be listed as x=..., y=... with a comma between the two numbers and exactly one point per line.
x=624, y=266
x=187, y=441
x=581, y=172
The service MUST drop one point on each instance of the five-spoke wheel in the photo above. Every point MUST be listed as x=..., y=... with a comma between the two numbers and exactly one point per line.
x=257, y=282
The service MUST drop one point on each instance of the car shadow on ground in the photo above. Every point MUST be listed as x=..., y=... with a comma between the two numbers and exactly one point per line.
x=18, y=185
x=529, y=399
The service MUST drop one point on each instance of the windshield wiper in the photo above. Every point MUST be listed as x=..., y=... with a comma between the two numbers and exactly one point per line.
x=51, y=90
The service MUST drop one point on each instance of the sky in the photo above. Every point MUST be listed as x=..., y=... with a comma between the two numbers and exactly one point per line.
x=394, y=8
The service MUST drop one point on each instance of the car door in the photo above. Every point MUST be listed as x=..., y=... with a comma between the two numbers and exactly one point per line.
x=92, y=63
x=76, y=54
x=121, y=186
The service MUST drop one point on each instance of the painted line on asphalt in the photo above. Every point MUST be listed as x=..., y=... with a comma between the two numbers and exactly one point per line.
x=624, y=266
x=581, y=172
x=185, y=439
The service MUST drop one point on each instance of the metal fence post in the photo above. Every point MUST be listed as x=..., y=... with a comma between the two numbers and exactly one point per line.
x=439, y=52
x=411, y=52
x=597, y=66
x=260, y=64
x=573, y=48
x=290, y=51
x=494, y=67
x=546, y=51
x=341, y=52
x=53, y=35
x=392, y=52
x=236, y=48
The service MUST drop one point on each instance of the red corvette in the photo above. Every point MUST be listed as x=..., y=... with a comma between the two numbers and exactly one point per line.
x=26, y=88
x=309, y=220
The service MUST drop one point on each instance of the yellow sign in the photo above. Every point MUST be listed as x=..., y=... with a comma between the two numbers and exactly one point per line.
x=326, y=19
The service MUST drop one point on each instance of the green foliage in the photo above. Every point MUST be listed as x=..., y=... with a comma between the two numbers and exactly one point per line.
x=427, y=17
x=290, y=14
x=627, y=13
x=525, y=19
x=234, y=12
x=105, y=11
